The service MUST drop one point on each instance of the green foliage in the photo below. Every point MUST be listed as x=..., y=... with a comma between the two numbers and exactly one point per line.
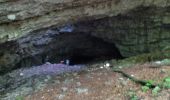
x=149, y=83
x=165, y=62
x=167, y=79
x=134, y=98
x=19, y=98
x=148, y=57
x=145, y=88
x=143, y=58
x=132, y=95
x=166, y=82
x=156, y=90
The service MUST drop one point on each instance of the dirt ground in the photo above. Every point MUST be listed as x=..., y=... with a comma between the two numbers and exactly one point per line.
x=104, y=84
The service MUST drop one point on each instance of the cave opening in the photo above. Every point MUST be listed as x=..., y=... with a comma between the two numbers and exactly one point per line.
x=90, y=40
x=117, y=37
x=77, y=47
x=82, y=48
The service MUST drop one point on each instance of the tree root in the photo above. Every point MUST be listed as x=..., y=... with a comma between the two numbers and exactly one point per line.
x=141, y=82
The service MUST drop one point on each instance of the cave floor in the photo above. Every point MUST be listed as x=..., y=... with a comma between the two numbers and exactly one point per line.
x=104, y=84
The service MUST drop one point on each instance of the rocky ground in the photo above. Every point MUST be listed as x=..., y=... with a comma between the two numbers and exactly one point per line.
x=99, y=83
x=104, y=84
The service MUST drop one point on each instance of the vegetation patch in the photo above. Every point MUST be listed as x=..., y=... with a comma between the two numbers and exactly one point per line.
x=143, y=58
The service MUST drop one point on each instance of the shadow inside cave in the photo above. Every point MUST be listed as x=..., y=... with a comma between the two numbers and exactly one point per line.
x=78, y=48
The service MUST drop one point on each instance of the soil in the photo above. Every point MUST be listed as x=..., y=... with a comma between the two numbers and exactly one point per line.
x=104, y=84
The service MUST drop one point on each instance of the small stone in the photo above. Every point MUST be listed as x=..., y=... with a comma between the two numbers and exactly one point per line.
x=47, y=63
x=42, y=97
x=61, y=96
x=48, y=77
x=64, y=89
x=121, y=78
x=101, y=67
x=158, y=62
x=82, y=90
x=45, y=80
x=132, y=75
x=21, y=74
x=120, y=67
x=107, y=65
x=123, y=82
x=163, y=71
x=11, y=17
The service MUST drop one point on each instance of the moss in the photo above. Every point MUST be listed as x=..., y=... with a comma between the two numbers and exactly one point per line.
x=166, y=20
x=10, y=32
x=19, y=98
x=143, y=58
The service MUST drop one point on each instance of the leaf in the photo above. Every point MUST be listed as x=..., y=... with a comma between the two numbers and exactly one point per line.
x=148, y=85
x=145, y=88
x=167, y=79
x=150, y=81
x=134, y=98
x=156, y=90
x=166, y=85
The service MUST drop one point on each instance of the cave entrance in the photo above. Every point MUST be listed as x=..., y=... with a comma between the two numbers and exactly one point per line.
x=81, y=48
x=56, y=45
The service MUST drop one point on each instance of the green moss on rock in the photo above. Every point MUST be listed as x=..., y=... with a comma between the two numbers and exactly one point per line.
x=143, y=58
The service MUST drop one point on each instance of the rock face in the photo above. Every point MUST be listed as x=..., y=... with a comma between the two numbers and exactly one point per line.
x=19, y=17
x=31, y=32
x=142, y=30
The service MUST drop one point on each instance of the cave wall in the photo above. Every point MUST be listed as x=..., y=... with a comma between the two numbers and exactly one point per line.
x=134, y=26
x=20, y=17
x=142, y=30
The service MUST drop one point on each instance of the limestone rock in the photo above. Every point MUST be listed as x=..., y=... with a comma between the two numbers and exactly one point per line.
x=20, y=17
x=33, y=28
